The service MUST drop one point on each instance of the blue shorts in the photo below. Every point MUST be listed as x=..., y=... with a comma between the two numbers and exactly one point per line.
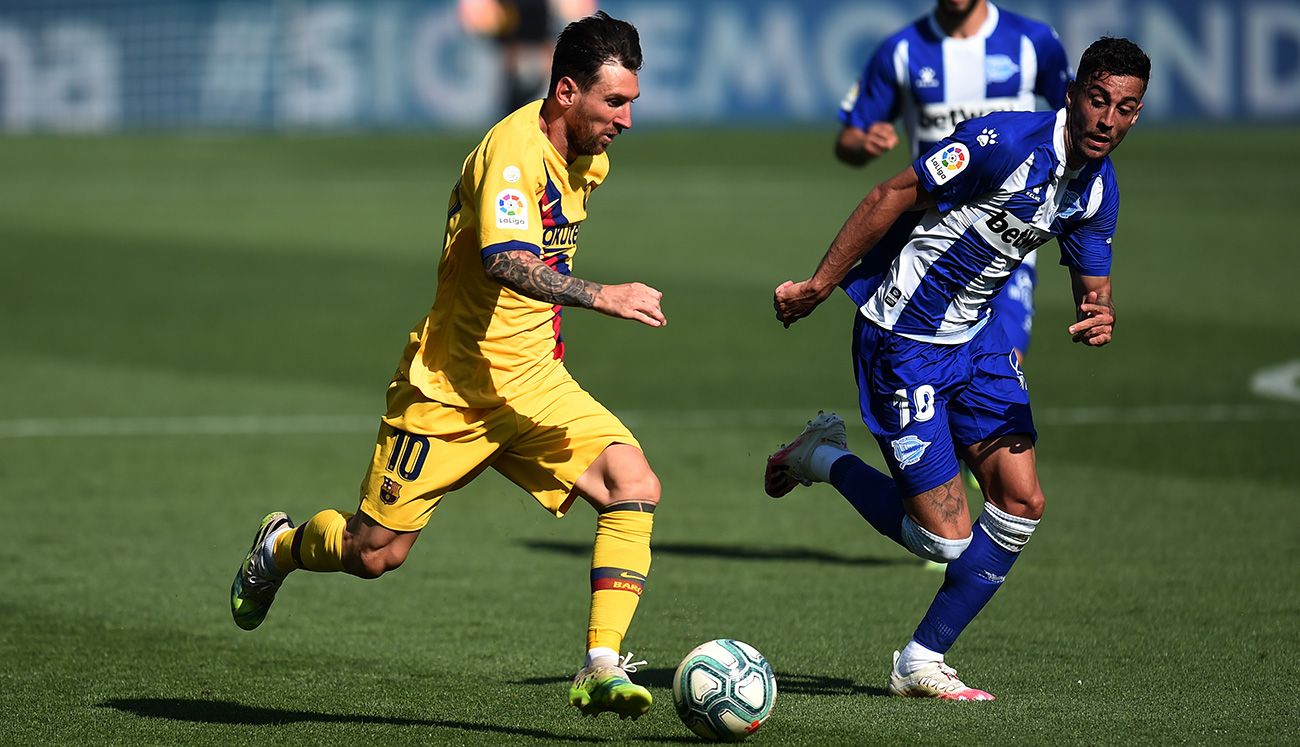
x=920, y=400
x=1013, y=307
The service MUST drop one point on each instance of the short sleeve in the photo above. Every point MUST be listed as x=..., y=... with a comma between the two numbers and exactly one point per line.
x=1086, y=245
x=505, y=187
x=875, y=96
x=960, y=168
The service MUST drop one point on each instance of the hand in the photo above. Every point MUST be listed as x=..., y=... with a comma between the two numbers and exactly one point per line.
x=794, y=301
x=1097, y=326
x=879, y=139
x=635, y=301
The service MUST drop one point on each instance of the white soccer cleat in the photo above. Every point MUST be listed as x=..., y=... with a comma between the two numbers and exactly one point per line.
x=934, y=680
x=788, y=467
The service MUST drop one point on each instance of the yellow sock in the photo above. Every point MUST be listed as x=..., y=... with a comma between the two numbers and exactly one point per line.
x=314, y=546
x=620, y=561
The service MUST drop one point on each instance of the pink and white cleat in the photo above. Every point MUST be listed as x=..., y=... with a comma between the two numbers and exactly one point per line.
x=788, y=467
x=933, y=680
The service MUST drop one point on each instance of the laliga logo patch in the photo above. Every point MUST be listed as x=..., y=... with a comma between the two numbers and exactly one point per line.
x=947, y=163
x=908, y=450
x=512, y=211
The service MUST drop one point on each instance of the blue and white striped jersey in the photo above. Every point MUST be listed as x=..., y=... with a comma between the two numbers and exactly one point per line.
x=1002, y=190
x=935, y=81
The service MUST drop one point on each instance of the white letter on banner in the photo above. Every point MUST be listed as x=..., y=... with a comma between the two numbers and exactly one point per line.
x=841, y=53
x=457, y=79
x=754, y=68
x=665, y=81
x=1269, y=28
x=1206, y=70
x=1086, y=22
x=17, y=80
x=237, y=65
x=320, y=86
x=81, y=83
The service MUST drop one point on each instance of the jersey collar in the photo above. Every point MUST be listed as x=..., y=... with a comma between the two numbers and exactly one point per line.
x=1058, y=145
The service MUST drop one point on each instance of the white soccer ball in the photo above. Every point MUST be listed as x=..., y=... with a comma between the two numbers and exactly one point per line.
x=724, y=690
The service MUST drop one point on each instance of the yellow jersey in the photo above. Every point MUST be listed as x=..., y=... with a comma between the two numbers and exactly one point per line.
x=481, y=343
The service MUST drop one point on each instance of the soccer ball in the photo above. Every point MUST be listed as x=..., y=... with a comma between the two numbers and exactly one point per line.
x=724, y=690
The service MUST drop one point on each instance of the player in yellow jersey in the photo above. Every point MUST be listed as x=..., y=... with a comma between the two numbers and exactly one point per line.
x=482, y=382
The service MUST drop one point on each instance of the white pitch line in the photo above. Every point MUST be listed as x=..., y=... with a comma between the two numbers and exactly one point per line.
x=693, y=419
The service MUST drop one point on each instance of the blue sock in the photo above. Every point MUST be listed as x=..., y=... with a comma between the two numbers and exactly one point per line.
x=873, y=493
x=968, y=585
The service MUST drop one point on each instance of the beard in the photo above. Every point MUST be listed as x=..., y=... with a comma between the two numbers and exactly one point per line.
x=588, y=144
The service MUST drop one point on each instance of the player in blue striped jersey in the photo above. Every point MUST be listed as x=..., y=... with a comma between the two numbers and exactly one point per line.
x=922, y=256
x=967, y=59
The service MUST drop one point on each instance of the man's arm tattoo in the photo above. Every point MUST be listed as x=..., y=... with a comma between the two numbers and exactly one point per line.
x=524, y=273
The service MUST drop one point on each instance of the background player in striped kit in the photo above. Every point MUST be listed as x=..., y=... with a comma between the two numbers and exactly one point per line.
x=965, y=60
x=939, y=240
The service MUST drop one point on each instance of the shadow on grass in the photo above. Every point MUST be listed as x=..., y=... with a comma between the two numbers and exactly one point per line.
x=695, y=549
x=787, y=683
x=227, y=712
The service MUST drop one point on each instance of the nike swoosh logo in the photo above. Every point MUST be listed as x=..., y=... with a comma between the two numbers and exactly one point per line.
x=632, y=576
x=549, y=205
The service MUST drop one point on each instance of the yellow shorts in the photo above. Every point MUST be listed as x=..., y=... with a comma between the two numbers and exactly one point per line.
x=542, y=441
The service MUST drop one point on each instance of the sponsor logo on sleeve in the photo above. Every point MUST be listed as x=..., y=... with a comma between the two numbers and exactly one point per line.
x=947, y=163
x=511, y=174
x=512, y=211
x=908, y=450
x=987, y=136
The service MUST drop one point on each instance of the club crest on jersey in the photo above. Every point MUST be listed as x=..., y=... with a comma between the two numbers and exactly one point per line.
x=927, y=78
x=999, y=68
x=947, y=163
x=908, y=450
x=512, y=211
x=1073, y=204
x=390, y=491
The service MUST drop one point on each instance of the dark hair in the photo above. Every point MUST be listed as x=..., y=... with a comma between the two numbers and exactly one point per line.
x=588, y=44
x=1113, y=56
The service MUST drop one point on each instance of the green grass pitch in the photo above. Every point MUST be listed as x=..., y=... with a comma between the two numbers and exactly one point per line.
x=199, y=329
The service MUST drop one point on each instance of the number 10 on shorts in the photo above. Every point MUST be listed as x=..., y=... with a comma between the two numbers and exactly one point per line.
x=921, y=401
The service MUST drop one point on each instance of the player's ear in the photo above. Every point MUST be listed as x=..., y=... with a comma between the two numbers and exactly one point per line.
x=566, y=91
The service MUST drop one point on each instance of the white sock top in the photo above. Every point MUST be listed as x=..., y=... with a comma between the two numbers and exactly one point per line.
x=819, y=463
x=914, y=655
x=601, y=656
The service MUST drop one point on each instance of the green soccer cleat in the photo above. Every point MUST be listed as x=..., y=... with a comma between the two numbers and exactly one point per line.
x=607, y=688
x=254, y=588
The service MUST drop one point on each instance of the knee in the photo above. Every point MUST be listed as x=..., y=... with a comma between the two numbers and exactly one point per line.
x=640, y=485
x=930, y=546
x=1029, y=506
x=373, y=562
